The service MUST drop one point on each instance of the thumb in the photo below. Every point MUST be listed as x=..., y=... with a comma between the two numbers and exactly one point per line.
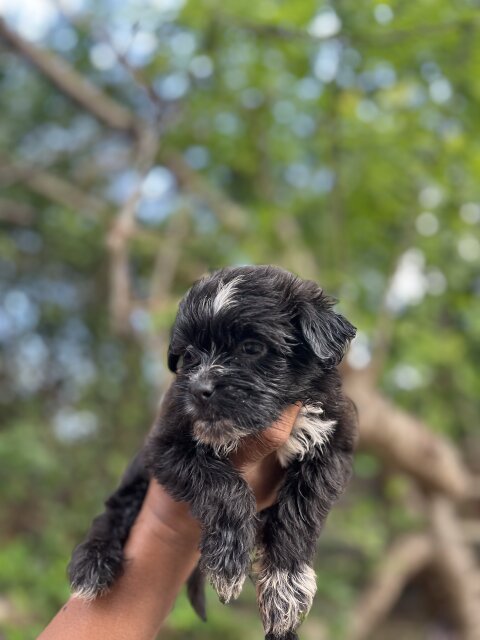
x=255, y=447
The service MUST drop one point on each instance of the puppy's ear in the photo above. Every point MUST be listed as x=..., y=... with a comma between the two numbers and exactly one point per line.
x=327, y=333
x=172, y=359
x=176, y=346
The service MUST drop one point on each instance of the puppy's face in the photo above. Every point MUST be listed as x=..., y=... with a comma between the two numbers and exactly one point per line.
x=247, y=342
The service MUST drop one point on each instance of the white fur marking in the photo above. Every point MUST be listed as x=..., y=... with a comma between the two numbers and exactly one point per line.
x=223, y=436
x=227, y=590
x=284, y=597
x=223, y=449
x=87, y=594
x=204, y=370
x=309, y=431
x=225, y=294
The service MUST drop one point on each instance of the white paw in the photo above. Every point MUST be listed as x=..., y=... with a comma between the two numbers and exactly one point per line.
x=88, y=594
x=227, y=590
x=284, y=598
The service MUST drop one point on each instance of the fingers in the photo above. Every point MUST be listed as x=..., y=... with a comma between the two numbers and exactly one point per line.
x=264, y=478
x=256, y=447
x=278, y=433
x=254, y=459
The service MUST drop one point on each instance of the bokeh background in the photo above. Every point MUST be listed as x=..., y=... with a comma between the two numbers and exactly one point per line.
x=143, y=142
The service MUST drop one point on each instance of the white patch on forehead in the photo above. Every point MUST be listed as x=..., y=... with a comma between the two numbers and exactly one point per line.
x=225, y=294
x=309, y=432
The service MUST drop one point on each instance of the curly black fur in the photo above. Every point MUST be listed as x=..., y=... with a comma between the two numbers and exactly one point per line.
x=247, y=342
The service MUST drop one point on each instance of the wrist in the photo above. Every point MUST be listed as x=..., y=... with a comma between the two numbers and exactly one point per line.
x=168, y=522
x=161, y=552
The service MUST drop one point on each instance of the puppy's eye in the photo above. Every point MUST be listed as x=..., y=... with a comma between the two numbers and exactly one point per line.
x=252, y=348
x=187, y=359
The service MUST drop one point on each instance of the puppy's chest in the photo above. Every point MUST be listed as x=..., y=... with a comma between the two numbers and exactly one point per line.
x=310, y=433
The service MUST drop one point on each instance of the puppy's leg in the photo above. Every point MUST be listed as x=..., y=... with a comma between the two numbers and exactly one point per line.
x=219, y=498
x=98, y=561
x=286, y=581
x=196, y=593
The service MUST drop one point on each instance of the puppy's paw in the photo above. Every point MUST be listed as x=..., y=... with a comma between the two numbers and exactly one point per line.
x=284, y=598
x=94, y=567
x=226, y=576
x=227, y=588
x=225, y=561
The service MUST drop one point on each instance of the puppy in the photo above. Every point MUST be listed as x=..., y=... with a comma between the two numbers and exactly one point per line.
x=246, y=343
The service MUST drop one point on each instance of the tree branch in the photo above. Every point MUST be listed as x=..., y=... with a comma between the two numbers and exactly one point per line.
x=456, y=561
x=387, y=37
x=471, y=531
x=405, y=559
x=167, y=259
x=51, y=186
x=16, y=212
x=404, y=441
x=70, y=82
x=120, y=235
x=114, y=115
x=230, y=214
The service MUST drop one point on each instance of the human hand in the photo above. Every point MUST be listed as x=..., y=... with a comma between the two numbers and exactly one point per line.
x=162, y=550
x=256, y=461
x=256, y=458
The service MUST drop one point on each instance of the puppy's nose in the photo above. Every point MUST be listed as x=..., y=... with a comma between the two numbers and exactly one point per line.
x=203, y=389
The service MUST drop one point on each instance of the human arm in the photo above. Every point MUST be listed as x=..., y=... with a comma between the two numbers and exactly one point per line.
x=162, y=550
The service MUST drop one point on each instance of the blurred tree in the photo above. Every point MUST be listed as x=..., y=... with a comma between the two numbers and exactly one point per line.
x=142, y=143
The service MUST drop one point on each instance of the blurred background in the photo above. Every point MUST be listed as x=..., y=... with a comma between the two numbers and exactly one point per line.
x=143, y=142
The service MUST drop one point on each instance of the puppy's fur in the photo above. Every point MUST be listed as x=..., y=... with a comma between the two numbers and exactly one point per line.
x=247, y=342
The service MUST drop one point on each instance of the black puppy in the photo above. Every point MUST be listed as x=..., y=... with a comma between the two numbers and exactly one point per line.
x=247, y=342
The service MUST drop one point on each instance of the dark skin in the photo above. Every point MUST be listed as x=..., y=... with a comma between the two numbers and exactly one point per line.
x=162, y=551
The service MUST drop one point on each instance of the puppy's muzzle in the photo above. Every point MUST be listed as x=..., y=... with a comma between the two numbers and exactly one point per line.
x=202, y=389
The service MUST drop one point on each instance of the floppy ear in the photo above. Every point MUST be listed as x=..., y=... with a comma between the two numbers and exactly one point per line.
x=174, y=350
x=176, y=346
x=172, y=360
x=327, y=333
